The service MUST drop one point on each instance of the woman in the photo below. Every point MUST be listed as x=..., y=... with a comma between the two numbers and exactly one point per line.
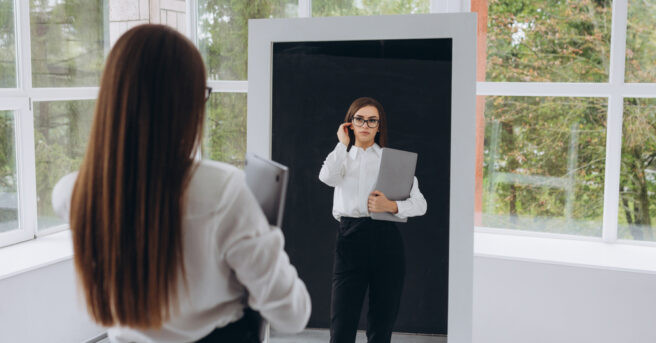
x=168, y=248
x=369, y=253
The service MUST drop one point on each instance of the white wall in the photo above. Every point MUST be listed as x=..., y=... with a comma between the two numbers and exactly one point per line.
x=528, y=302
x=42, y=306
x=514, y=302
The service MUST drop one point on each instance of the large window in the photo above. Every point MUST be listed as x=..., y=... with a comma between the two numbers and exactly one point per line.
x=569, y=134
x=48, y=83
x=566, y=106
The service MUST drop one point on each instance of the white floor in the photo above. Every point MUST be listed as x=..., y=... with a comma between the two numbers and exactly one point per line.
x=323, y=336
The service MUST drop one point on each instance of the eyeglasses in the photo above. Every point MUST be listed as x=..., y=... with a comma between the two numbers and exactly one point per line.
x=371, y=123
x=208, y=92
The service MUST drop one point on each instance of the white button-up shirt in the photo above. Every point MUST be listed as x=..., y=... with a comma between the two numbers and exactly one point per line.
x=354, y=174
x=232, y=258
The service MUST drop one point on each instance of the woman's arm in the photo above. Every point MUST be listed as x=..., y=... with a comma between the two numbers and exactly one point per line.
x=414, y=206
x=61, y=195
x=255, y=252
x=334, y=167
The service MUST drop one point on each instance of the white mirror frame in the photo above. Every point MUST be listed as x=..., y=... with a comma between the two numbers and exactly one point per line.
x=461, y=28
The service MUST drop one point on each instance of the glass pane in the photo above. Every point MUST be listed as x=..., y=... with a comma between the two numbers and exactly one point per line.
x=637, y=205
x=68, y=42
x=8, y=180
x=327, y=8
x=7, y=45
x=544, y=164
x=225, y=128
x=223, y=32
x=641, y=41
x=61, y=133
x=547, y=40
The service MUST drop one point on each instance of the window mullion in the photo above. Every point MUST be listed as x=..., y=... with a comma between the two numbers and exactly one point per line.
x=614, y=123
x=192, y=19
x=63, y=93
x=26, y=165
x=437, y=6
x=26, y=168
x=465, y=6
x=23, y=44
x=449, y=6
x=304, y=8
x=612, y=173
x=567, y=89
x=618, y=43
x=228, y=86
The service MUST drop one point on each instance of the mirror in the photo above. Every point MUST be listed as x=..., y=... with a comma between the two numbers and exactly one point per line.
x=313, y=85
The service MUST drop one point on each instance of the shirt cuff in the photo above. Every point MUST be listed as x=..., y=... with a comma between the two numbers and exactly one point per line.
x=402, y=207
x=340, y=151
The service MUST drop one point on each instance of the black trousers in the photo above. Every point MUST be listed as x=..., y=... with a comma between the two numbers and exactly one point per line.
x=245, y=330
x=368, y=254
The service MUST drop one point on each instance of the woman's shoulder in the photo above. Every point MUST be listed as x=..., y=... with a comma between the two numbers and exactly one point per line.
x=214, y=184
x=217, y=171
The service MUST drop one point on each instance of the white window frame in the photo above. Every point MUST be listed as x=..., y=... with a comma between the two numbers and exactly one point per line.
x=21, y=100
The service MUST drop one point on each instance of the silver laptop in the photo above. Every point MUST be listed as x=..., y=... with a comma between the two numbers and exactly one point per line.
x=268, y=182
x=395, y=178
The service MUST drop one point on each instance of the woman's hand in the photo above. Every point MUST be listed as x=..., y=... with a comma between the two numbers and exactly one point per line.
x=378, y=202
x=342, y=134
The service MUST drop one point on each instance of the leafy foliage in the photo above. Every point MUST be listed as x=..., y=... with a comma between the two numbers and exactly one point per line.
x=8, y=182
x=67, y=42
x=637, y=209
x=225, y=128
x=549, y=40
x=641, y=41
x=328, y=8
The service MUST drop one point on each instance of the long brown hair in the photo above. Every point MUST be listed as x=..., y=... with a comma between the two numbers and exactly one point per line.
x=381, y=135
x=127, y=205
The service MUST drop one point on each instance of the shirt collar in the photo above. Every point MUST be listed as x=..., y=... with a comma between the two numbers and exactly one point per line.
x=353, y=153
